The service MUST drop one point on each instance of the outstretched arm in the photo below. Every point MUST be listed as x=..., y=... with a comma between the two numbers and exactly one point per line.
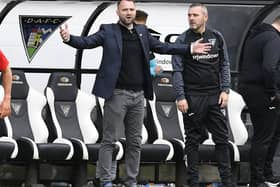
x=82, y=42
x=5, y=105
x=196, y=47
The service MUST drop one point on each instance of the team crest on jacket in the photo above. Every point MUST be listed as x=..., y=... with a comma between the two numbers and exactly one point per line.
x=35, y=30
x=212, y=41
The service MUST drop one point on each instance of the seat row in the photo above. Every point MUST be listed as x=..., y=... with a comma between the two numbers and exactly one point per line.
x=64, y=127
x=56, y=128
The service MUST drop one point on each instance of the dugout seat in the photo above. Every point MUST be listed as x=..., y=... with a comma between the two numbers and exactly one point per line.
x=163, y=122
x=73, y=113
x=162, y=115
x=8, y=146
x=240, y=134
x=27, y=126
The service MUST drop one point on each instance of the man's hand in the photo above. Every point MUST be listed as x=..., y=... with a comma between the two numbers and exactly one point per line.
x=5, y=108
x=64, y=33
x=223, y=100
x=201, y=48
x=158, y=69
x=183, y=105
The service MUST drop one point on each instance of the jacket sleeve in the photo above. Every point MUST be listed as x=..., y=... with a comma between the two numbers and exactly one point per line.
x=271, y=58
x=88, y=42
x=177, y=65
x=167, y=48
x=225, y=65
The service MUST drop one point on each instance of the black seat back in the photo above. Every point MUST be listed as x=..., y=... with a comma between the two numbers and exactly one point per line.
x=27, y=106
x=70, y=108
x=20, y=115
x=164, y=110
x=64, y=91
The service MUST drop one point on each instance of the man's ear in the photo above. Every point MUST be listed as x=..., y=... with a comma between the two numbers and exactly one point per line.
x=205, y=18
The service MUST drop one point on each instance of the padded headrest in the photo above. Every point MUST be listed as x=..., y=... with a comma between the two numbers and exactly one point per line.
x=64, y=86
x=20, y=86
x=163, y=87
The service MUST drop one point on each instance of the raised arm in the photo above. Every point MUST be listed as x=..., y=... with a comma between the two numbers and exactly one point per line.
x=82, y=42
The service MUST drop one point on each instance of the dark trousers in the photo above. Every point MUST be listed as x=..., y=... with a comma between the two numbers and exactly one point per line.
x=205, y=114
x=265, y=120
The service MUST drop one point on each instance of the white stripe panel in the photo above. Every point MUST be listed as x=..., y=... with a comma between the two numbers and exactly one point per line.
x=180, y=142
x=235, y=107
x=35, y=104
x=181, y=123
x=8, y=127
x=101, y=102
x=50, y=99
x=85, y=104
x=144, y=135
x=84, y=147
x=209, y=141
x=235, y=152
x=165, y=142
x=35, y=148
x=8, y=139
x=156, y=121
x=120, y=152
x=67, y=142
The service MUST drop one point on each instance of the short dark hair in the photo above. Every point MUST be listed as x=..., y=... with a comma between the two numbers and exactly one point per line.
x=141, y=15
x=277, y=19
x=119, y=1
x=204, y=8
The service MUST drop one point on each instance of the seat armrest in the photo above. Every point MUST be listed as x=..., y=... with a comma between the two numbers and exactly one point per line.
x=28, y=149
x=11, y=140
x=179, y=149
x=162, y=141
x=68, y=142
x=80, y=149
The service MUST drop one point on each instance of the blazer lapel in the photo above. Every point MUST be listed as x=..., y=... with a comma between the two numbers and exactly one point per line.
x=118, y=35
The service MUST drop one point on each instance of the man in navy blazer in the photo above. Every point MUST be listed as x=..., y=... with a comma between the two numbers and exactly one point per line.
x=124, y=80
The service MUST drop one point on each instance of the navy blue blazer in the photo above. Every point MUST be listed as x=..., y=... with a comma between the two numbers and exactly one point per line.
x=110, y=38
